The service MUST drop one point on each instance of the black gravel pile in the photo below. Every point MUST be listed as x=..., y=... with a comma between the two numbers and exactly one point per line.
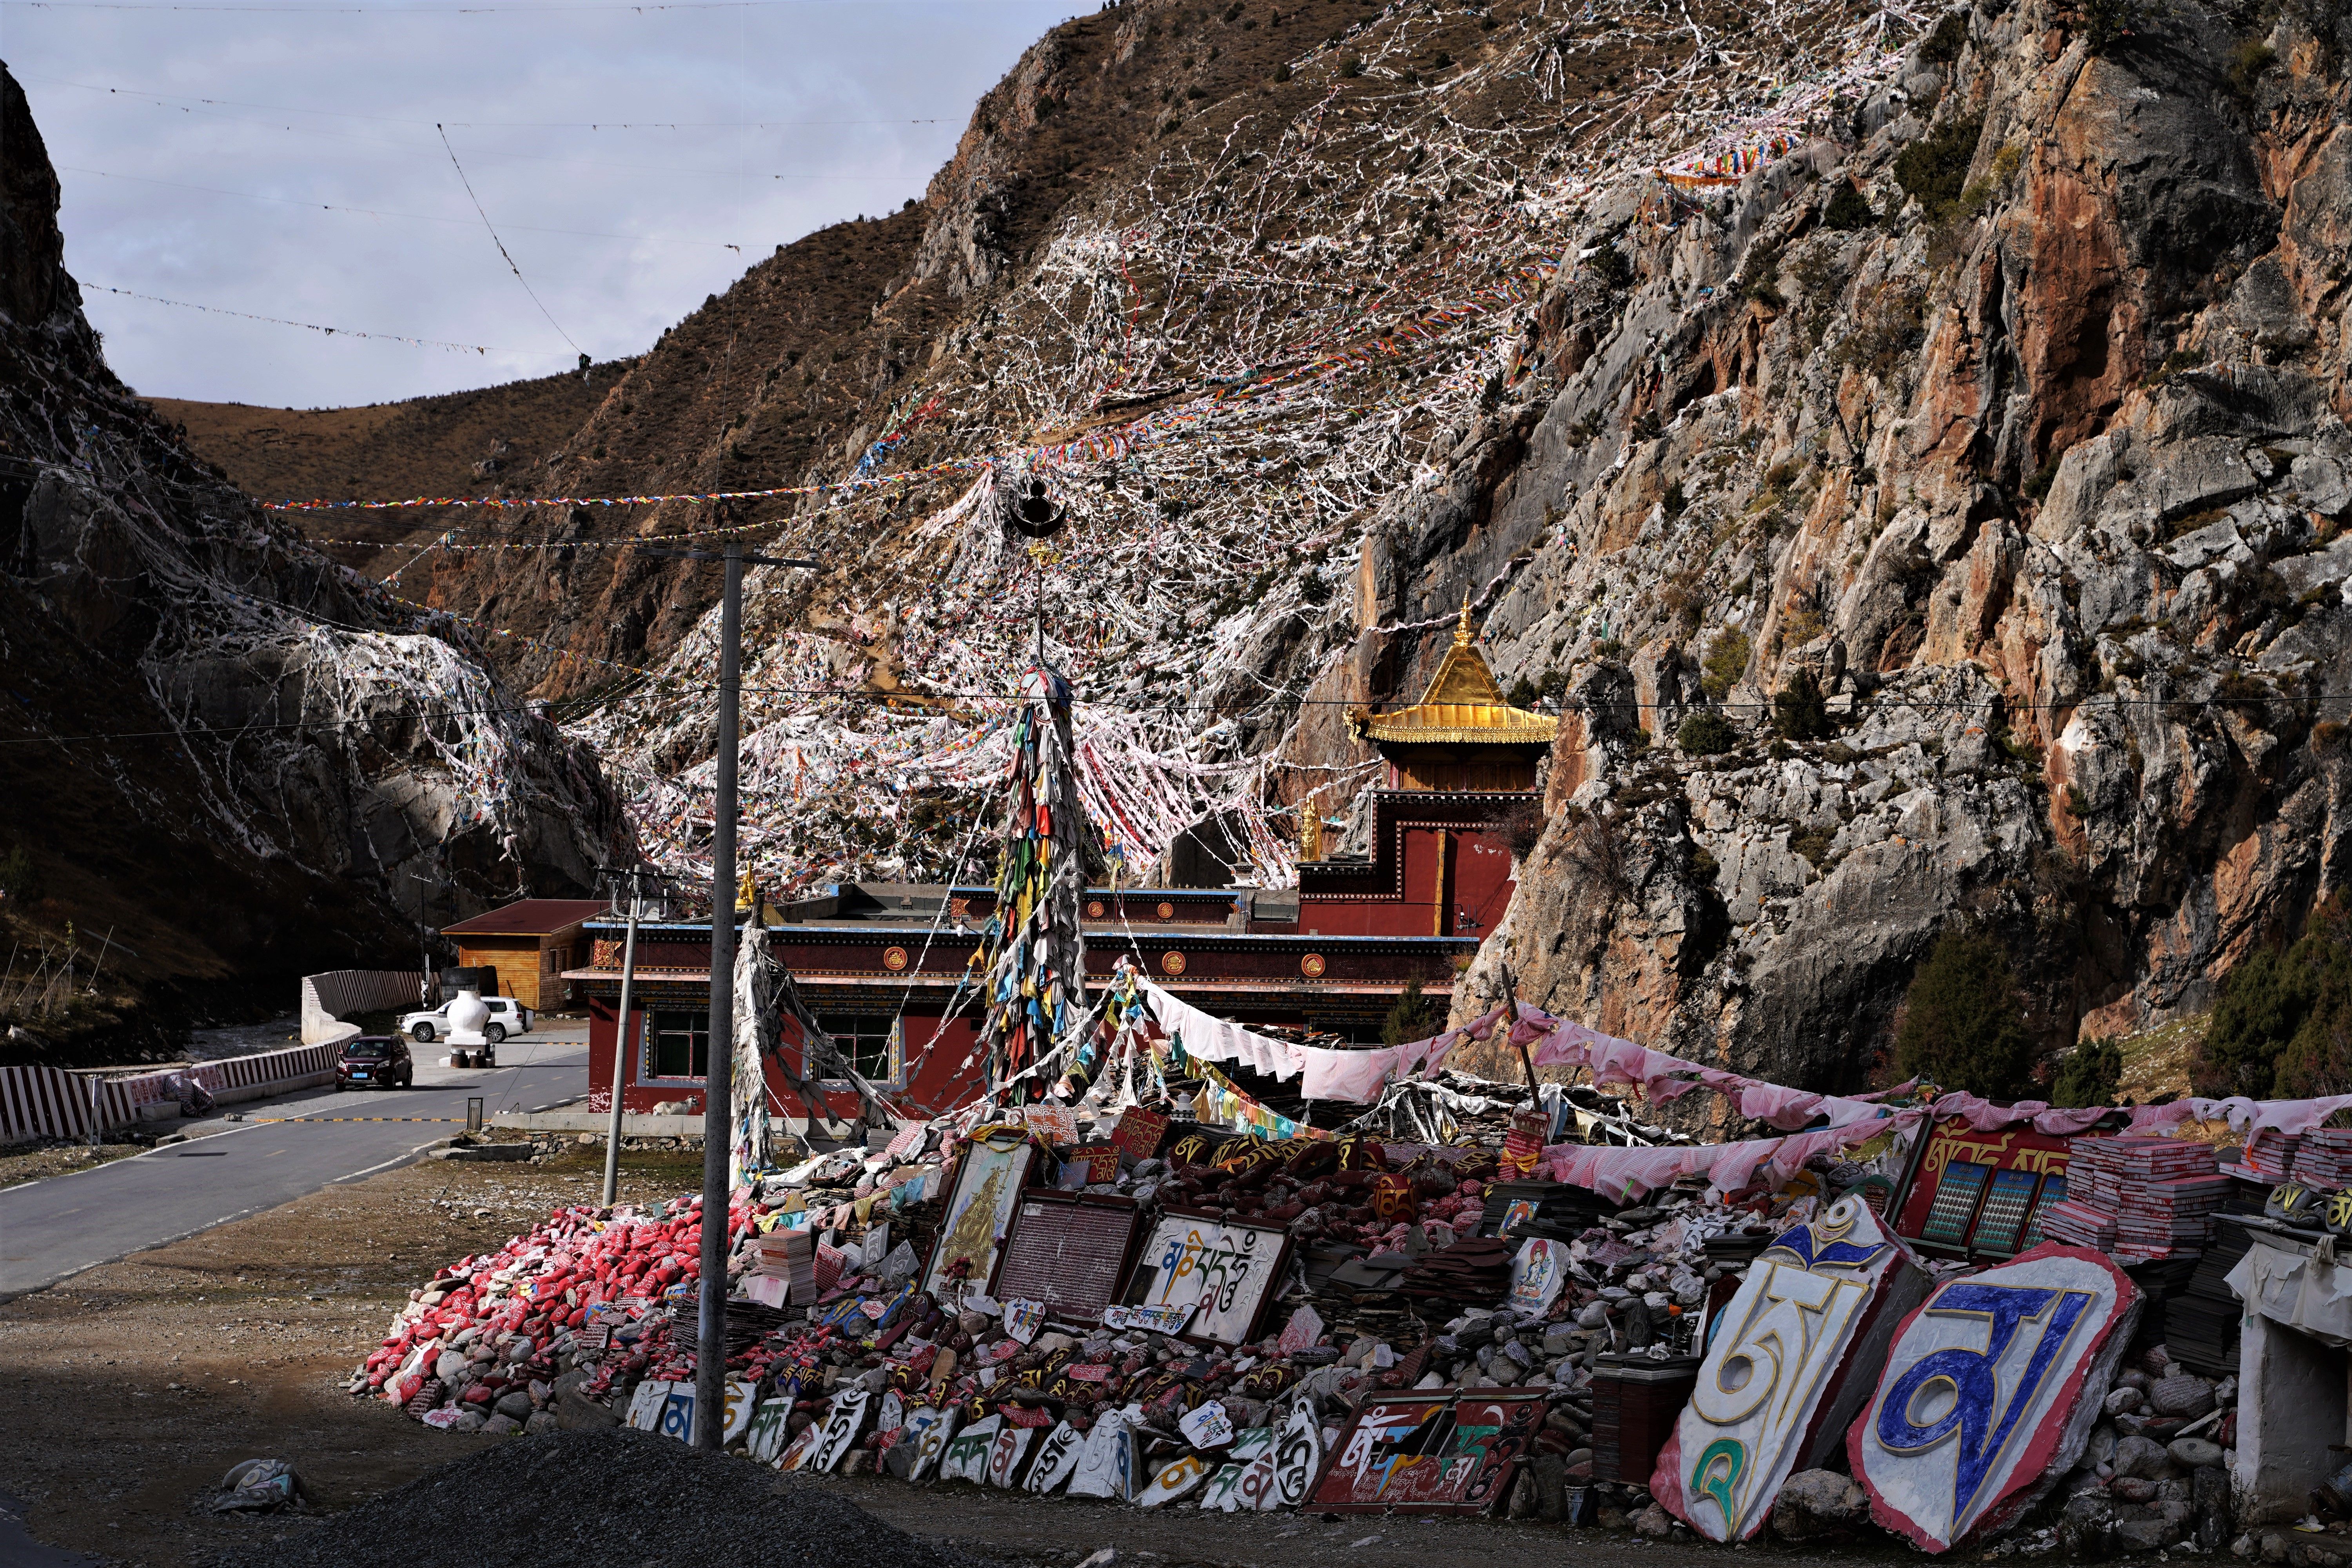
x=615, y=1500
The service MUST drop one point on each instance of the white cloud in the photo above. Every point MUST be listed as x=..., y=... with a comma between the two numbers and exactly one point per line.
x=515, y=89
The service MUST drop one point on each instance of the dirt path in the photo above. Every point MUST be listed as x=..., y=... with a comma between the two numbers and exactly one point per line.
x=130, y=1388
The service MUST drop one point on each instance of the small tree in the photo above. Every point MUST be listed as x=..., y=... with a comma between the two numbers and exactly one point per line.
x=20, y=880
x=1963, y=1026
x=2283, y=1024
x=1705, y=733
x=2089, y=1076
x=1725, y=662
x=1798, y=710
x=1413, y=1017
x=2264, y=1002
x=1848, y=210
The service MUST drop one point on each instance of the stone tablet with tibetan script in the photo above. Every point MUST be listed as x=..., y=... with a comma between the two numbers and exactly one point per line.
x=1790, y=1360
x=1989, y=1393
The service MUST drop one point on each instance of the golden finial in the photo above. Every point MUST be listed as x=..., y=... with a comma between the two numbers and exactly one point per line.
x=1462, y=627
x=1311, y=828
x=747, y=894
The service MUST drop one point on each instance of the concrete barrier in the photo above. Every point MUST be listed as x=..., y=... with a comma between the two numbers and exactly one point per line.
x=46, y=1102
x=326, y=997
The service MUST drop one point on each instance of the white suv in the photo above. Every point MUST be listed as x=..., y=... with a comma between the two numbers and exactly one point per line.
x=507, y=1016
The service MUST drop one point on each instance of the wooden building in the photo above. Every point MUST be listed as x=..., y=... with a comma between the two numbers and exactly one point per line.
x=892, y=971
x=529, y=943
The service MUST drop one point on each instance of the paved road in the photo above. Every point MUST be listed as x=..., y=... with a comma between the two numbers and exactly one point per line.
x=51, y=1228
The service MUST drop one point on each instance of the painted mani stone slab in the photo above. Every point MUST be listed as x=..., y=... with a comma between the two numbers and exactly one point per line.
x=770, y=1430
x=1057, y=1456
x=1774, y=1393
x=966, y=1458
x=845, y=1419
x=1297, y=1458
x=1005, y=1454
x=928, y=1430
x=1107, y=1465
x=1989, y=1393
x=1430, y=1453
x=1175, y=1480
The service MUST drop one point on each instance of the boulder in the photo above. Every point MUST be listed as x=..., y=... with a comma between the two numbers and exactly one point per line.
x=1652, y=1521
x=1818, y=1505
x=2141, y=1457
x=2145, y=1534
x=2085, y=1524
x=2193, y=1453
x=2184, y=1395
x=575, y=1412
x=2210, y=1490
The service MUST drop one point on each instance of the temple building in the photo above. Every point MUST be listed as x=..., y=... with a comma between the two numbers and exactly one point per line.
x=892, y=971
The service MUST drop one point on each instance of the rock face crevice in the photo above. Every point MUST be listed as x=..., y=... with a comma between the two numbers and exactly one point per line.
x=236, y=757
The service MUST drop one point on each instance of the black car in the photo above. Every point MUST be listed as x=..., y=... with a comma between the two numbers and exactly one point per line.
x=375, y=1061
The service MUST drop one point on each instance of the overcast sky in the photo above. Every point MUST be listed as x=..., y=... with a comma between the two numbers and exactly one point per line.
x=714, y=125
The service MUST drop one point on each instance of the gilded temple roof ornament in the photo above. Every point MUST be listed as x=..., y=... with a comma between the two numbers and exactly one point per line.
x=1461, y=706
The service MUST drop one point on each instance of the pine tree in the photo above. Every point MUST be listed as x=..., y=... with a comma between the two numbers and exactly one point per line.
x=1963, y=1026
x=1413, y=1017
x=2089, y=1075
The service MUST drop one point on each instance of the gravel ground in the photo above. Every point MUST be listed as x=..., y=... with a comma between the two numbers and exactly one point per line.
x=32, y=1161
x=609, y=1499
x=127, y=1390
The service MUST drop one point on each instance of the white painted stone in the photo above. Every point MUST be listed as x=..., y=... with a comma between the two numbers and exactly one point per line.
x=1107, y=1468
x=1004, y=1455
x=1175, y=1480
x=845, y=1419
x=966, y=1456
x=929, y=1429
x=1057, y=1456
x=1989, y=1393
x=1792, y=1360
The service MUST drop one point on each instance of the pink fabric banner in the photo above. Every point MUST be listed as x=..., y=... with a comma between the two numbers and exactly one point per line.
x=1624, y=1175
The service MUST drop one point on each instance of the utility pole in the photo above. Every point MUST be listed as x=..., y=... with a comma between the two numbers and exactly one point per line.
x=710, y=1326
x=621, y=1040
x=711, y=1320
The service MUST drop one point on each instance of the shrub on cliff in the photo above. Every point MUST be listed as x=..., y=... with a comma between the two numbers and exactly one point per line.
x=1705, y=733
x=1411, y=1018
x=2089, y=1076
x=2283, y=1025
x=1935, y=168
x=1963, y=1026
x=1725, y=662
x=1800, y=712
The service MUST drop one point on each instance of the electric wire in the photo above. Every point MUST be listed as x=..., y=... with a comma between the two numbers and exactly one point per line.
x=502, y=248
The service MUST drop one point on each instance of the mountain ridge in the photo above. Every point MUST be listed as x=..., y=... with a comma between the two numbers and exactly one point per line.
x=1977, y=374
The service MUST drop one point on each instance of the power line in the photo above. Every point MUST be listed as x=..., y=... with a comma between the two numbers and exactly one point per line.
x=406, y=217
x=166, y=100
x=502, y=248
x=642, y=5
x=282, y=321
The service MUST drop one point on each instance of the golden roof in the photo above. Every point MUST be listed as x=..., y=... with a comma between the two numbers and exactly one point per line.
x=1462, y=706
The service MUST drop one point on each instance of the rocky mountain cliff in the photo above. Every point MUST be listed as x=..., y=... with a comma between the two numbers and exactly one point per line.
x=1906, y=445
x=2038, y=473
x=225, y=758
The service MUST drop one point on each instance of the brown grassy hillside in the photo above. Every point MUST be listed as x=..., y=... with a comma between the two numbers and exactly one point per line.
x=459, y=443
